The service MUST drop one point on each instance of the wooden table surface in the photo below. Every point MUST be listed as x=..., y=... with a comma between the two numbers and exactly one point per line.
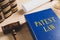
x=24, y=34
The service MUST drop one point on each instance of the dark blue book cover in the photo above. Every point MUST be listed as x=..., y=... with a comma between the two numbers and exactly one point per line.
x=44, y=25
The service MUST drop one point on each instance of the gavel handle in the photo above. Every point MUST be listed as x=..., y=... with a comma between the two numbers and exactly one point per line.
x=14, y=35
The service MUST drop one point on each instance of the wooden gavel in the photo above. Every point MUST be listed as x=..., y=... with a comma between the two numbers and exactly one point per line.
x=12, y=28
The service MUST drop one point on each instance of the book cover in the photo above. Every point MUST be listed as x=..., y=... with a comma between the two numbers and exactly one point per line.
x=44, y=25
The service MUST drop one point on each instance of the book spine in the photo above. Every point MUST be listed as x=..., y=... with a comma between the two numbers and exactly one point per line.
x=1, y=16
x=13, y=6
x=6, y=8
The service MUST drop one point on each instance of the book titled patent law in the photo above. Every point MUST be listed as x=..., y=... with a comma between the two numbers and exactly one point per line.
x=44, y=25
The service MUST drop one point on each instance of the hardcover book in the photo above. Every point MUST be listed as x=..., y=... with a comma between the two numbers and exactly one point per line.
x=44, y=25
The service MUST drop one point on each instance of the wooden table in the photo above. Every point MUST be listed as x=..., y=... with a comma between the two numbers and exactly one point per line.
x=24, y=34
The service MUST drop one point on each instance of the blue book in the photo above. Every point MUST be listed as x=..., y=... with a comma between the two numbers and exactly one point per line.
x=44, y=25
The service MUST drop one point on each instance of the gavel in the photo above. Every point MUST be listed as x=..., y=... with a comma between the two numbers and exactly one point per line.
x=12, y=28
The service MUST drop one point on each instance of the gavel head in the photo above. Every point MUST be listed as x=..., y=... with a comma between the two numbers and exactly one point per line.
x=10, y=27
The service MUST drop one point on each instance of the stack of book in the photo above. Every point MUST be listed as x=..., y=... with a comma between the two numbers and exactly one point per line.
x=8, y=7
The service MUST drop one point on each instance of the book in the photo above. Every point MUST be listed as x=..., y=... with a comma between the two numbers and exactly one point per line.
x=6, y=8
x=44, y=25
x=34, y=4
x=13, y=5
